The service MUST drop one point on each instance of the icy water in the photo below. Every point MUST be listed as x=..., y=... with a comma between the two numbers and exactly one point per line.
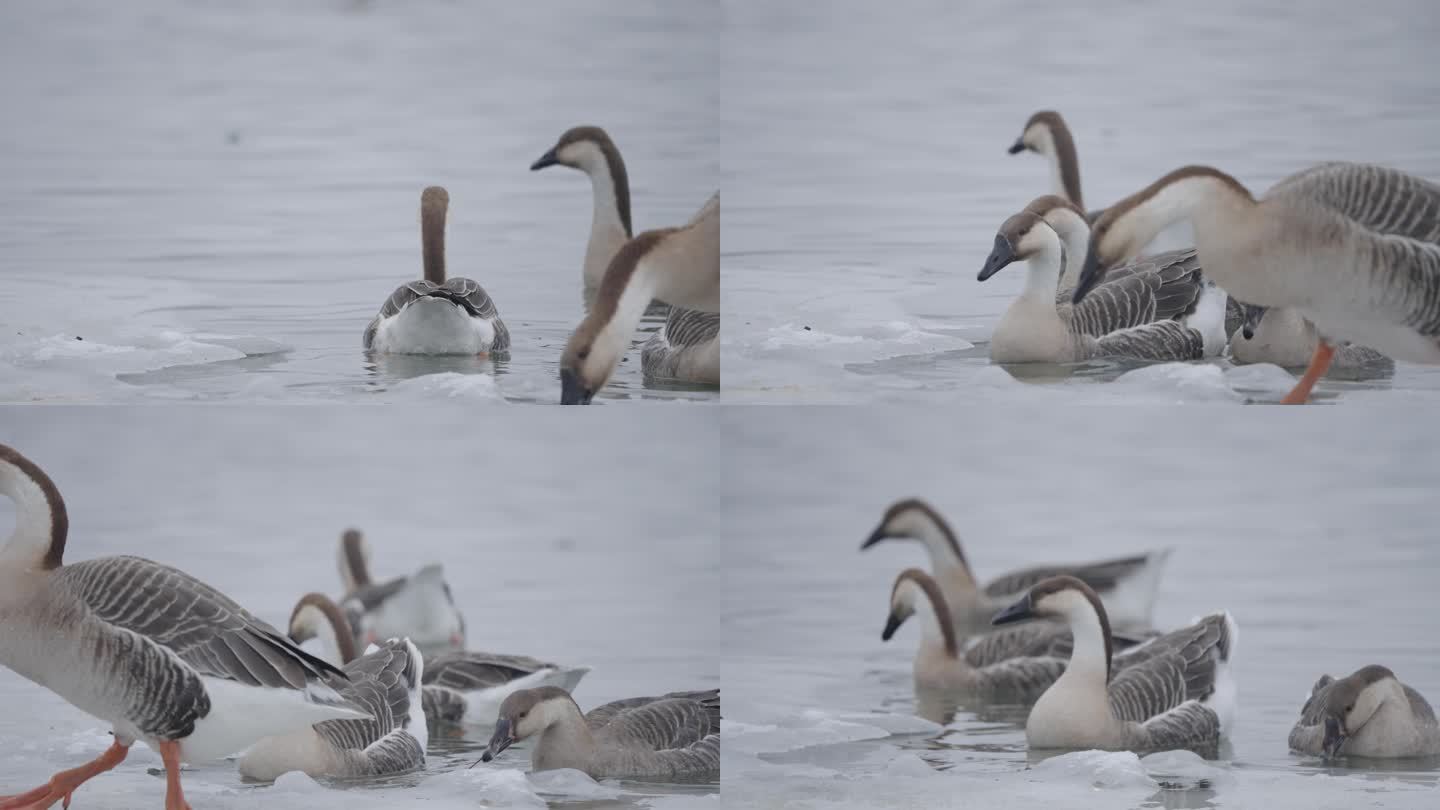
x=1325, y=565
x=620, y=574
x=865, y=169
x=205, y=201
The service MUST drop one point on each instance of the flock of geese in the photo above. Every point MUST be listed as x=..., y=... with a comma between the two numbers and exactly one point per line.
x=1096, y=675
x=165, y=659
x=1337, y=266
x=623, y=273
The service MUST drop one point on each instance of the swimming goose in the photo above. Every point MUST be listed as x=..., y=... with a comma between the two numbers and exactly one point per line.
x=159, y=655
x=938, y=662
x=461, y=686
x=419, y=607
x=386, y=682
x=1128, y=584
x=1282, y=336
x=1176, y=692
x=1138, y=302
x=1367, y=714
x=1354, y=248
x=1035, y=330
x=674, y=737
x=687, y=346
x=680, y=266
x=435, y=315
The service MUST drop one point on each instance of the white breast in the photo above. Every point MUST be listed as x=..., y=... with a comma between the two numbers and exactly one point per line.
x=434, y=326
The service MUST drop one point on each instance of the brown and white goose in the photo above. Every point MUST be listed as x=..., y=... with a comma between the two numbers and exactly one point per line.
x=1176, y=693
x=1152, y=313
x=159, y=655
x=680, y=266
x=460, y=686
x=686, y=346
x=1367, y=714
x=674, y=737
x=1047, y=134
x=1127, y=584
x=1354, y=248
x=436, y=315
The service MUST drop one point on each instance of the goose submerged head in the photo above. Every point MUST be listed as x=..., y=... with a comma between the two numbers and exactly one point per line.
x=586, y=364
x=1126, y=227
x=527, y=713
x=1021, y=237
x=1350, y=703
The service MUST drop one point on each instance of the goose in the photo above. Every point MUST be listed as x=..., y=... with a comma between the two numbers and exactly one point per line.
x=680, y=266
x=1176, y=693
x=435, y=315
x=460, y=686
x=939, y=664
x=1282, y=336
x=1035, y=330
x=386, y=681
x=1160, y=302
x=674, y=737
x=1354, y=248
x=1047, y=134
x=1128, y=584
x=687, y=346
x=156, y=653
x=420, y=606
x=1367, y=714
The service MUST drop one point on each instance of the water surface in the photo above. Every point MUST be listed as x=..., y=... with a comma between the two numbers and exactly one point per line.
x=548, y=553
x=866, y=173
x=210, y=200
x=1326, y=566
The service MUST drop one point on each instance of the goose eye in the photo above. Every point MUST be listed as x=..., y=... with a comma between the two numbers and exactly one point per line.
x=1350, y=708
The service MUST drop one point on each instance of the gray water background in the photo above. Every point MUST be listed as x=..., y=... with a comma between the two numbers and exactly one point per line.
x=548, y=551
x=866, y=173
x=253, y=171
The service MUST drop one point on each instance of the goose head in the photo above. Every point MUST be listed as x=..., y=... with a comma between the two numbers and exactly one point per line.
x=526, y=713
x=583, y=147
x=1022, y=236
x=1253, y=316
x=912, y=587
x=1351, y=701
x=1130, y=224
x=1039, y=133
x=914, y=519
x=41, y=522
x=1063, y=216
x=1071, y=600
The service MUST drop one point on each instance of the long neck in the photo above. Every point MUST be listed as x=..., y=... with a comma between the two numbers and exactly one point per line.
x=41, y=522
x=1042, y=275
x=1393, y=717
x=1090, y=660
x=610, y=225
x=940, y=616
x=565, y=742
x=947, y=561
x=1074, y=234
x=336, y=636
x=624, y=294
x=432, y=242
x=1064, y=164
x=1214, y=203
x=354, y=567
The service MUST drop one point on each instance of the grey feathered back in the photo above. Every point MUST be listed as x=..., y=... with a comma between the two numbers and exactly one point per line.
x=683, y=728
x=1103, y=576
x=1166, y=286
x=147, y=608
x=381, y=683
x=1162, y=686
x=461, y=291
x=468, y=671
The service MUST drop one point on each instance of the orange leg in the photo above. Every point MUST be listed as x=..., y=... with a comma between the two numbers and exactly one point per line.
x=1319, y=364
x=62, y=784
x=174, y=796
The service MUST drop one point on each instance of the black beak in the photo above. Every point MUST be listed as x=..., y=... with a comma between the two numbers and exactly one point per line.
x=1018, y=147
x=547, y=159
x=499, y=741
x=892, y=623
x=875, y=537
x=1334, y=737
x=1001, y=255
x=1090, y=275
x=1016, y=612
x=572, y=390
x=1253, y=314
